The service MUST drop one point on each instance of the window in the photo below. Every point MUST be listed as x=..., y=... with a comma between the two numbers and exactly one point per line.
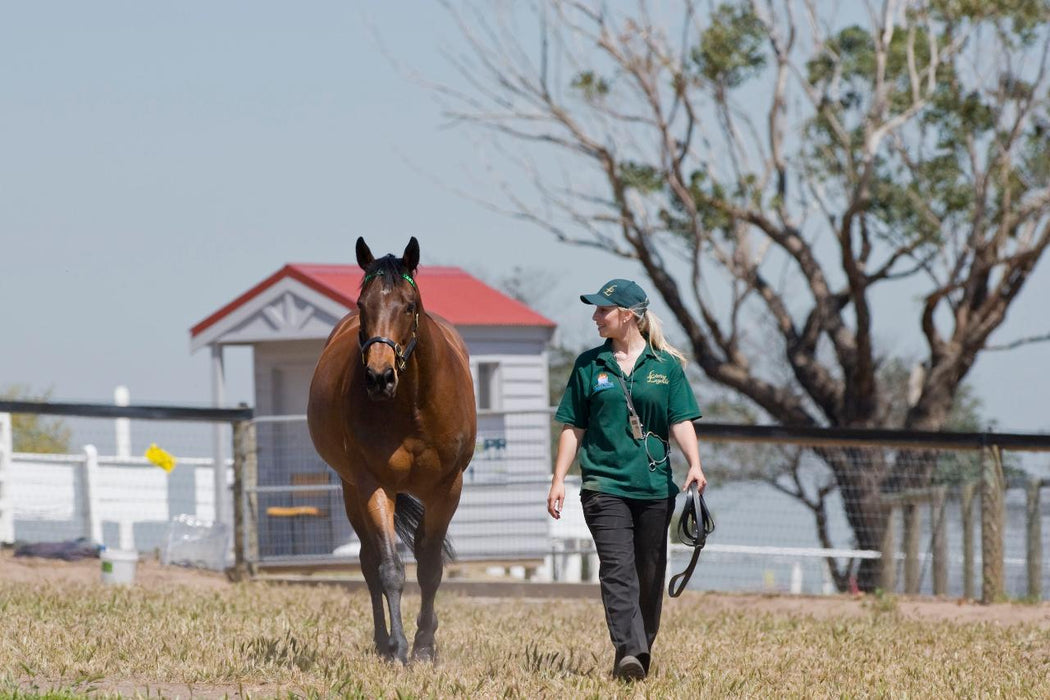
x=488, y=386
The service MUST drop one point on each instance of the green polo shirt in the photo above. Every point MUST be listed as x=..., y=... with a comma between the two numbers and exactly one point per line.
x=611, y=460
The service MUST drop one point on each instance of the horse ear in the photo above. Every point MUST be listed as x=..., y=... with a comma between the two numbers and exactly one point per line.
x=410, y=259
x=364, y=255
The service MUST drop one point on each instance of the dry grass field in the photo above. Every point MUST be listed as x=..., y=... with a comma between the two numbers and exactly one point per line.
x=180, y=633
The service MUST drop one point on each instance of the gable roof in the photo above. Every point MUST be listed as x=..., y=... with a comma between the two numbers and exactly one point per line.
x=449, y=292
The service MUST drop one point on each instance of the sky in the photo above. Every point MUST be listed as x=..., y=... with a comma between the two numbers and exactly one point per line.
x=158, y=159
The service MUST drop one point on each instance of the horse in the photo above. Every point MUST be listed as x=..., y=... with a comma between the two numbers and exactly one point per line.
x=391, y=411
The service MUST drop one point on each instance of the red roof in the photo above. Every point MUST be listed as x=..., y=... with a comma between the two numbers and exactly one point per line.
x=447, y=291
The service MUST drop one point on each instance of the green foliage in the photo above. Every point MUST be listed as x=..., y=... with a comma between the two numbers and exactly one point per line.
x=644, y=178
x=591, y=85
x=33, y=433
x=731, y=48
x=1019, y=17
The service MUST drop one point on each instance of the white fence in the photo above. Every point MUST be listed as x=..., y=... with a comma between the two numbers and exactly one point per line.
x=125, y=503
x=7, y=524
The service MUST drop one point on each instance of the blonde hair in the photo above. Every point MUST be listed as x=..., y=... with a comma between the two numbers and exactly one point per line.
x=652, y=329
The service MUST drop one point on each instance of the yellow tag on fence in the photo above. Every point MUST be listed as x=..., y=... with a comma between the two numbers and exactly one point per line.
x=162, y=459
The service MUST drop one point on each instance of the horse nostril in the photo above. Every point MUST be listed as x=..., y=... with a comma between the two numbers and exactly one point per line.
x=379, y=381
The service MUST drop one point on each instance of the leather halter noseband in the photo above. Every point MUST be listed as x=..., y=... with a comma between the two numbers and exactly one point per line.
x=402, y=354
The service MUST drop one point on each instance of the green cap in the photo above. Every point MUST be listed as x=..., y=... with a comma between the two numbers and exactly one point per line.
x=618, y=292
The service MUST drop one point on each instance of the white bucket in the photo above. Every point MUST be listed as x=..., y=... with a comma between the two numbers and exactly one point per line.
x=118, y=565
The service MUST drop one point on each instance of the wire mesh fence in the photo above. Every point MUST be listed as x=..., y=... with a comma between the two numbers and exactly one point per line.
x=796, y=511
x=916, y=513
x=295, y=500
x=97, y=484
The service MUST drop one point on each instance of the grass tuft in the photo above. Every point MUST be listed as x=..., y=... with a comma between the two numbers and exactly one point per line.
x=287, y=651
x=558, y=664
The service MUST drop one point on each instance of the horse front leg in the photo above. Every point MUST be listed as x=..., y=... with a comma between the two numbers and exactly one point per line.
x=370, y=569
x=382, y=568
x=391, y=570
x=430, y=566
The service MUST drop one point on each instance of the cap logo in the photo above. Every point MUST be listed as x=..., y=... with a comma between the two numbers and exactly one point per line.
x=608, y=291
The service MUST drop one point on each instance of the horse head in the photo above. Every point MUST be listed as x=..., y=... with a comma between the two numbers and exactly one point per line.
x=388, y=307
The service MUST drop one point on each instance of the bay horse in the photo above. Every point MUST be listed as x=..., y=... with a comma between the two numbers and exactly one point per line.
x=391, y=411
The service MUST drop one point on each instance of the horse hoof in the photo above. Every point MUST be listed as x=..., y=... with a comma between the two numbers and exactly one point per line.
x=392, y=654
x=425, y=654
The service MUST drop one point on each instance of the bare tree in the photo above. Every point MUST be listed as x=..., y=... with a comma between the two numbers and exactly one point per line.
x=774, y=166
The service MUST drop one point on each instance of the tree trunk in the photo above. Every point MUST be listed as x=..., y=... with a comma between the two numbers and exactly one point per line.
x=859, y=473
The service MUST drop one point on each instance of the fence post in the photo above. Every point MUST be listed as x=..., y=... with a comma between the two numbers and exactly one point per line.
x=89, y=496
x=889, y=553
x=912, y=531
x=966, y=506
x=992, y=516
x=1035, y=541
x=245, y=479
x=7, y=516
x=940, y=541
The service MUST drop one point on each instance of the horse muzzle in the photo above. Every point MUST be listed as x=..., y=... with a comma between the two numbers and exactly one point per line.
x=381, y=385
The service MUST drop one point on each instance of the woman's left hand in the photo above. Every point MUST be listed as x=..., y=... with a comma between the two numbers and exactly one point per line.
x=696, y=473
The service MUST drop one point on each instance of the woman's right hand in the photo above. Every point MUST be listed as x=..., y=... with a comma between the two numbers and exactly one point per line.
x=556, y=498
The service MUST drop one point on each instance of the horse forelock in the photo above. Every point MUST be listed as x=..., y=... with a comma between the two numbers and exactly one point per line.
x=388, y=269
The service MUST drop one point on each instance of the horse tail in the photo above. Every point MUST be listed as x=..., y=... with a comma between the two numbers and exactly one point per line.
x=408, y=515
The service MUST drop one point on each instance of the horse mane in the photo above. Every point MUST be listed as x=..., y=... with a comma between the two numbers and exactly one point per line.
x=388, y=269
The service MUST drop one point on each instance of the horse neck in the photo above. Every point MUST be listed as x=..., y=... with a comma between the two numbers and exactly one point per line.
x=427, y=355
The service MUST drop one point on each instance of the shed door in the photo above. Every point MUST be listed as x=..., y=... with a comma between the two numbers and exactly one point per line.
x=291, y=388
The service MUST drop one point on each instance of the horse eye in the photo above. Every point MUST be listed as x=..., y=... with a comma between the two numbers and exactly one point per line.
x=411, y=308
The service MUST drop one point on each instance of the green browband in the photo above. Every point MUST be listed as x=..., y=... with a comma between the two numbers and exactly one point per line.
x=380, y=274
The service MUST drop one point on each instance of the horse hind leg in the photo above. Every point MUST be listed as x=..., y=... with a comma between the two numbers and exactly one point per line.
x=429, y=547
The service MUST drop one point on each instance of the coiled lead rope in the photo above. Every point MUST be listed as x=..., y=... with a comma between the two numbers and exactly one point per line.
x=694, y=526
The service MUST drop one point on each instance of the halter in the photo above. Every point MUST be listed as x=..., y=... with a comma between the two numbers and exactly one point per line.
x=402, y=354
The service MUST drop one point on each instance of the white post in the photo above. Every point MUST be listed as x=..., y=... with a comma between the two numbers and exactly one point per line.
x=796, y=578
x=122, y=397
x=7, y=516
x=218, y=397
x=89, y=497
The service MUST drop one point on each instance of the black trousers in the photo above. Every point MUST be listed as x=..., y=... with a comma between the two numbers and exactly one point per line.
x=631, y=539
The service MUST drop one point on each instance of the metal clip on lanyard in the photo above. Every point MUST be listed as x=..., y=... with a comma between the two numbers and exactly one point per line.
x=638, y=433
x=636, y=422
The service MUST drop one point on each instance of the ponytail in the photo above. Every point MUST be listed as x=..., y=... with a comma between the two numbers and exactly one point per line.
x=652, y=330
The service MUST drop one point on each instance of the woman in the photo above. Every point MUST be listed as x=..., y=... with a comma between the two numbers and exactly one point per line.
x=624, y=400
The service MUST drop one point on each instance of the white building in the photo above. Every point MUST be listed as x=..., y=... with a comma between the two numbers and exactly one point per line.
x=286, y=318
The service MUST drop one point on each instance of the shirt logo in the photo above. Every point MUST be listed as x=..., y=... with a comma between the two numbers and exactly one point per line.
x=602, y=382
x=609, y=290
x=654, y=378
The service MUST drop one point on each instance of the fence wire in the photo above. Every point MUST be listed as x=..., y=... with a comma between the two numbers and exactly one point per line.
x=792, y=515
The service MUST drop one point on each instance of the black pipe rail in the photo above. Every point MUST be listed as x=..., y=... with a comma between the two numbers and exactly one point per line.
x=158, y=412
